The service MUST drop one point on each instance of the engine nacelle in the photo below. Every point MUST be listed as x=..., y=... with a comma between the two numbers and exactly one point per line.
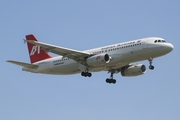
x=134, y=70
x=98, y=60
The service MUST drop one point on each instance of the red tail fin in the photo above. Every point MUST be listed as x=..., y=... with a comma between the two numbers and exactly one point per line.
x=35, y=52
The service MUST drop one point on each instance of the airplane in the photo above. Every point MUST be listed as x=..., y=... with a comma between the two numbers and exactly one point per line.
x=116, y=58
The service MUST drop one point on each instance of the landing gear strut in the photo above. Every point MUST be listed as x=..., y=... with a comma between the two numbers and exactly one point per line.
x=150, y=62
x=111, y=80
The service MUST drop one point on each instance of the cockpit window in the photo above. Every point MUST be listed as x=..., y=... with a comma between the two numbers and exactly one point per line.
x=161, y=41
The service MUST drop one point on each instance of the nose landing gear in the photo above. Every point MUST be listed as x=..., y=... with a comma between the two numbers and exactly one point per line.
x=150, y=62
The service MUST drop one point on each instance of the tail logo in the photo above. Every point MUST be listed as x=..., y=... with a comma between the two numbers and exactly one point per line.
x=34, y=49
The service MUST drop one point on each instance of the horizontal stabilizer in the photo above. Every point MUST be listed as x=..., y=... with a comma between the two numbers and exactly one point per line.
x=27, y=65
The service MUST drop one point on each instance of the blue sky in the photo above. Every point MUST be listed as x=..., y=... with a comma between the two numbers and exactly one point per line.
x=83, y=25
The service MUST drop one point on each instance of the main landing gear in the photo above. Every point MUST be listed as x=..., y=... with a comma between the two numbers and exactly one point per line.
x=150, y=62
x=108, y=80
x=111, y=80
x=86, y=73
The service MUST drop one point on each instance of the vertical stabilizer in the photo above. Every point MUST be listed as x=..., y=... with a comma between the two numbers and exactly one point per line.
x=35, y=52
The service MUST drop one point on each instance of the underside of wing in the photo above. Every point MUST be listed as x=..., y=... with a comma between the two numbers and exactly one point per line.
x=117, y=70
x=27, y=65
x=65, y=52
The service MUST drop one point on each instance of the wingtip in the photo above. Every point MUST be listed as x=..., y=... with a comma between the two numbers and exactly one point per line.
x=8, y=60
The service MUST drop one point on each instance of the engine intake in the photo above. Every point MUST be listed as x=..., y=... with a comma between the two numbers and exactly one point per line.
x=134, y=70
x=98, y=60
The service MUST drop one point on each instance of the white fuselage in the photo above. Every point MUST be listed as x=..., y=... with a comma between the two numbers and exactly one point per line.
x=121, y=54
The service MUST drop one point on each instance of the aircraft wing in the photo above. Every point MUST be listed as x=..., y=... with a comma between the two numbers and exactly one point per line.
x=27, y=65
x=65, y=52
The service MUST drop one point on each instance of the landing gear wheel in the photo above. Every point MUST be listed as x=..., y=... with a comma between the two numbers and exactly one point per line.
x=82, y=73
x=107, y=80
x=114, y=81
x=89, y=74
x=110, y=81
x=86, y=74
x=151, y=67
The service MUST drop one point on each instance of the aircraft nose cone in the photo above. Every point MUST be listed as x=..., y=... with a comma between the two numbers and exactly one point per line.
x=168, y=47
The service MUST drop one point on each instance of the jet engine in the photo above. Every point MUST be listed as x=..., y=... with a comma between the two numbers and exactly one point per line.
x=134, y=70
x=98, y=60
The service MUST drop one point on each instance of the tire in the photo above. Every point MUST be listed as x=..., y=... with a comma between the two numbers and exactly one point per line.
x=89, y=74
